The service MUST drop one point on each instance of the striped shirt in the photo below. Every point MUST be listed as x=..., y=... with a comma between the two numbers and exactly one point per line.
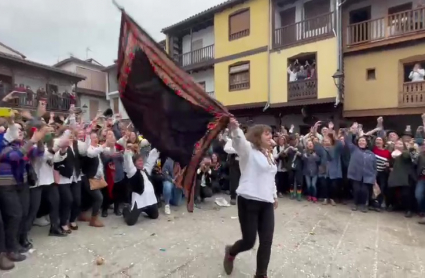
x=383, y=157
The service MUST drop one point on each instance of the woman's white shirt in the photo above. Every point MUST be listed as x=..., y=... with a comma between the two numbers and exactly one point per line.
x=148, y=197
x=257, y=181
x=417, y=75
x=43, y=170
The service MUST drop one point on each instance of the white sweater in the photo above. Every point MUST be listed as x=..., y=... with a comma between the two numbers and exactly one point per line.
x=257, y=181
x=43, y=170
x=417, y=76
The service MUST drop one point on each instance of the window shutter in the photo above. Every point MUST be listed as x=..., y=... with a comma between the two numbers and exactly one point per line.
x=240, y=68
x=94, y=107
x=239, y=22
x=116, y=105
x=197, y=44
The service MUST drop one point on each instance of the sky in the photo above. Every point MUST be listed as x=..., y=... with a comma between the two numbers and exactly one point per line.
x=47, y=31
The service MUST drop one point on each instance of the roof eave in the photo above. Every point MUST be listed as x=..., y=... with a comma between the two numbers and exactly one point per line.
x=208, y=12
x=41, y=66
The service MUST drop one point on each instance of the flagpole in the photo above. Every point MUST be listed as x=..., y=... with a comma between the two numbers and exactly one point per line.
x=119, y=7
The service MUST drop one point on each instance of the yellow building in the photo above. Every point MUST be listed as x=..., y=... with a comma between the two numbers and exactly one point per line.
x=264, y=59
x=383, y=40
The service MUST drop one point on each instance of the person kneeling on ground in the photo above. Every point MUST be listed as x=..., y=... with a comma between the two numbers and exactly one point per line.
x=172, y=194
x=143, y=197
x=204, y=180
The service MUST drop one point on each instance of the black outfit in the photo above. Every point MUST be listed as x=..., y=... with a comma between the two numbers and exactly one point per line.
x=234, y=175
x=89, y=169
x=95, y=196
x=361, y=192
x=294, y=164
x=131, y=216
x=137, y=184
x=255, y=216
x=24, y=198
x=400, y=177
x=65, y=196
x=2, y=236
x=203, y=192
x=282, y=178
x=11, y=210
x=70, y=194
x=216, y=178
x=330, y=188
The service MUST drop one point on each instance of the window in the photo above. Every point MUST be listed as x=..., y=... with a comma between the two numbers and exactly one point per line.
x=93, y=108
x=202, y=84
x=370, y=74
x=398, y=19
x=197, y=44
x=316, y=8
x=239, y=24
x=239, y=76
x=116, y=105
x=51, y=89
x=408, y=69
x=400, y=8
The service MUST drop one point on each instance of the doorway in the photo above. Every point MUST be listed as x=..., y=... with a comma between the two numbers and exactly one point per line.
x=287, y=35
x=360, y=32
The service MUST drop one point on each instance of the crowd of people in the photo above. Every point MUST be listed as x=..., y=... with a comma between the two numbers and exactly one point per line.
x=60, y=171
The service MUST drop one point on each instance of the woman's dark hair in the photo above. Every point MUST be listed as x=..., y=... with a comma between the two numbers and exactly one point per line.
x=137, y=157
x=137, y=138
x=331, y=138
x=254, y=134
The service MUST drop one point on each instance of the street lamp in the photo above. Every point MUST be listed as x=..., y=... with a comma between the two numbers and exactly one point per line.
x=338, y=77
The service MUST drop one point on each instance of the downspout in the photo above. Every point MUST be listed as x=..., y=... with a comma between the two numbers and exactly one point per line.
x=268, y=57
x=340, y=62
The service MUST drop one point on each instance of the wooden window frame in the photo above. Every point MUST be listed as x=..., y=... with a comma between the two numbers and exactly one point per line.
x=247, y=85
x=116, y=103
x=243, y=33
x=367, y=74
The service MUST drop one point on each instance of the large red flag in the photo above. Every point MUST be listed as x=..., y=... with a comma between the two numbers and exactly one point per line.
x=164, y=103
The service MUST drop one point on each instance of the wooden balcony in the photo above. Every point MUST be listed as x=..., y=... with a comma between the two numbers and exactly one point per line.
x=398, y=27
x=302, y=89
x=309, y=30
x=413, y=94
x=55, y=103
x=197, y=58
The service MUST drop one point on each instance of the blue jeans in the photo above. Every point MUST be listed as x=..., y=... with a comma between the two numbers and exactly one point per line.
x=420, y=195
x=311, y=185
x=172, y=195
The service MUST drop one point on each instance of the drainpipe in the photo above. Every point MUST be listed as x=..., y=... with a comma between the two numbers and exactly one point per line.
x=340, y=62
x=268, y=57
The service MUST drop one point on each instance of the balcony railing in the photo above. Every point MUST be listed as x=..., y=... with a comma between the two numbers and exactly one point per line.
x=54, y=103
x=304, y=31
x=302, y=89
x=198, y=56
x=413, y=94
x=390, y=26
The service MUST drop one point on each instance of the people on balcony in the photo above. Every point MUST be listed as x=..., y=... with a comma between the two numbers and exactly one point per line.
x=29, y=95
x=417, y=74
x=297, y=71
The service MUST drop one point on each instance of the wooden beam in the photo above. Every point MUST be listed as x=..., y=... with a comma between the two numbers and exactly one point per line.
x=384, y=112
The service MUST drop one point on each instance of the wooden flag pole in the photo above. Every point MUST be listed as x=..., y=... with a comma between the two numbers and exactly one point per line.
x=119, y=7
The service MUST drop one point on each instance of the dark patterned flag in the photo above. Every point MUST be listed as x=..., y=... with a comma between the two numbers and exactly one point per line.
x=164, y=103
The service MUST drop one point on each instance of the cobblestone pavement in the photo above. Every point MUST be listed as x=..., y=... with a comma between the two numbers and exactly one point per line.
x=311, y=240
